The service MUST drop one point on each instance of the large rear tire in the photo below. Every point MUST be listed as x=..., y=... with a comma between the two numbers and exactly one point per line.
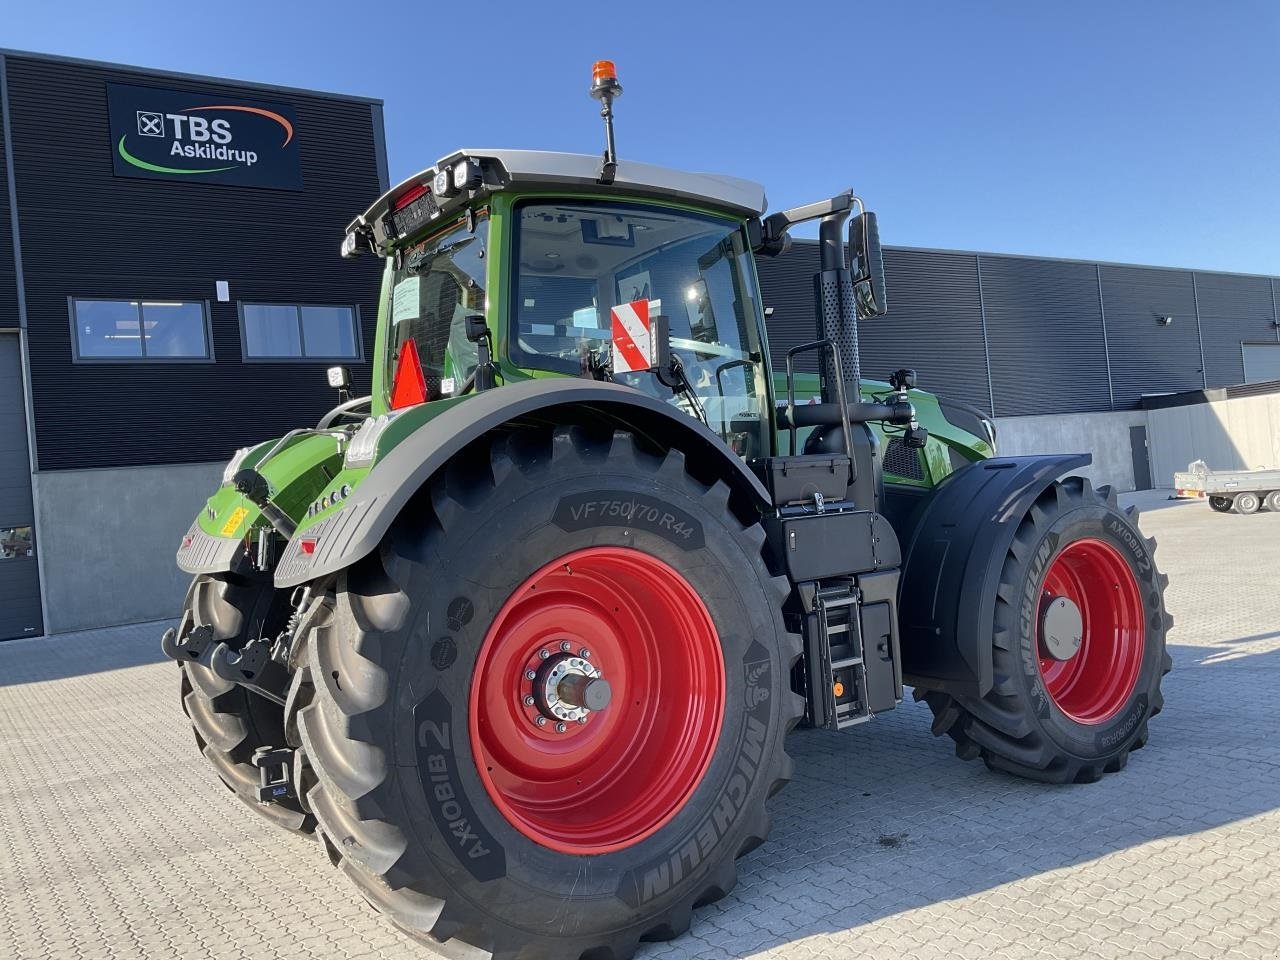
x=1078, y=646
x=230, y=722
x=440, y=793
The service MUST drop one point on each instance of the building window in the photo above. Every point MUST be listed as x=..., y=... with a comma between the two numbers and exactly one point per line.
x=131, y=330
x=287, y=331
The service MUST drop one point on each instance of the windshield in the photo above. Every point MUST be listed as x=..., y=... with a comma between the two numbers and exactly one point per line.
x=436, y=284
x=580, y=259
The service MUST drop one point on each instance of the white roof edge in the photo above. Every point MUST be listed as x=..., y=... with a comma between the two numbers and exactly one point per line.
x=531, y=165
x=583, y=170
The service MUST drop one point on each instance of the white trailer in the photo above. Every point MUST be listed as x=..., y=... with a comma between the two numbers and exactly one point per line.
x=1245, y=491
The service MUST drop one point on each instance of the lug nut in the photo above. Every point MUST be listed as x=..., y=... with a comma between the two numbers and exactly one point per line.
x=584, y=653
x=543, y=654
x=582, y=719
x=540, y=720
x=528, y=701
x=530, y=675
x=565, y=646
x=560, y=727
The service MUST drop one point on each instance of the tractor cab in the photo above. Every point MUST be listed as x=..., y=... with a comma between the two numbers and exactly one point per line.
x=539, y=270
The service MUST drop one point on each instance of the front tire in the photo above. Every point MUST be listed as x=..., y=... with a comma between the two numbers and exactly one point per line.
x=1078, y=646
x=458, y=814
x=1220, y=504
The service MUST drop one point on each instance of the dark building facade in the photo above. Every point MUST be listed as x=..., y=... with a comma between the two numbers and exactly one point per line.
x=1026, y=336
x=170, y=288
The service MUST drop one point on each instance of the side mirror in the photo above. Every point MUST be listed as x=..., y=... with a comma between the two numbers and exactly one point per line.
x=866, y=263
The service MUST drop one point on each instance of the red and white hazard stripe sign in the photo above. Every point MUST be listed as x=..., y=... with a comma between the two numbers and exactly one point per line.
x=632, y=344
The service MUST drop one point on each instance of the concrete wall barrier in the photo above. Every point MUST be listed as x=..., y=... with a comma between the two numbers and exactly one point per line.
x=107, y=539
x=1104, y=435
x=1242, y=433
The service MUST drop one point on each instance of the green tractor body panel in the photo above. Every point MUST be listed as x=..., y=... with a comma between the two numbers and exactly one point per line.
x=311, y=480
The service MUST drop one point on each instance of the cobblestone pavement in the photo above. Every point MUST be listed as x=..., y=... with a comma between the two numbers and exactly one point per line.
x=116, y=840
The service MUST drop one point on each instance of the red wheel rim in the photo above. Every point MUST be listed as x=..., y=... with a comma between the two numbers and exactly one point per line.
x=617, y=777
x=1093, y=685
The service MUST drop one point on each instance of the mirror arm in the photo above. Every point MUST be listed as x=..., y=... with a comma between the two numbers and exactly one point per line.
x=774, y=228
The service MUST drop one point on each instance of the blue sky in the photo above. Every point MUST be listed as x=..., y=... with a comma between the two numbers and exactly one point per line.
x=1132, y=131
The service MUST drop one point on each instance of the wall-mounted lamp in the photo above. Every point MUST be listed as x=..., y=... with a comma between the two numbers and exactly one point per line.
x=1164, y=321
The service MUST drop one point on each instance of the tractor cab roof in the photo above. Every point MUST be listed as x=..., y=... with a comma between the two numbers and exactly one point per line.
x=458, y=179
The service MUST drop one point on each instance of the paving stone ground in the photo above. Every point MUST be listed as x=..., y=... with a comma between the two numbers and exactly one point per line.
x=116, y=840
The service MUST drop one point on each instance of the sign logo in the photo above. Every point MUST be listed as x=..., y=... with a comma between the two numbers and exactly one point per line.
x=150, y=124
x=173, y=135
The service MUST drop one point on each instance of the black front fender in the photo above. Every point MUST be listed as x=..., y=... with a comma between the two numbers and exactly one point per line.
x=359, y=527
x=954, y=548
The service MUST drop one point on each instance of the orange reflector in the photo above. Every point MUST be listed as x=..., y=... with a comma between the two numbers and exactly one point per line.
x=838, y=688
x=308, y=547
x=603, y=70
x=409, y=387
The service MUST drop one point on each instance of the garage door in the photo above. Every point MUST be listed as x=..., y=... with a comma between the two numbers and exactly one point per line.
x=19, y=577
x=1261, y=362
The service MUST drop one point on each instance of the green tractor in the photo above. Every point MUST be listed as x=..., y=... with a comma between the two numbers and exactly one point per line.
x=521, y=634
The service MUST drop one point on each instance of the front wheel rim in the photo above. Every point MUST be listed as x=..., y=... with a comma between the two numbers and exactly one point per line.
x=596, y=781
x=1093, y=686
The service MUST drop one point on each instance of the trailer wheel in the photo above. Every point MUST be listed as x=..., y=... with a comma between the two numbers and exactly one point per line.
x=1247, y=503
x=1220, y=504
x=1273, y=501
x=544, y=718
x=1079, y=645
x=230, y=722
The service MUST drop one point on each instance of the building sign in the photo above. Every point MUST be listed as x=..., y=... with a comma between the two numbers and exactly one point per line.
x=167, y=135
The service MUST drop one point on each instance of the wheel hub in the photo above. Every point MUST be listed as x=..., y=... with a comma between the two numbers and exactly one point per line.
x=1061, y=629
x=566, y=687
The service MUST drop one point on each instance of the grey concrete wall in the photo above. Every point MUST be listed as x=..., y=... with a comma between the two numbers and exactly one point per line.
x=1238, y=434
x=1105, y=435
x=107, y=540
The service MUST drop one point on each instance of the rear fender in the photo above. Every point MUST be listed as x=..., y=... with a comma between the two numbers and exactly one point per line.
x=354, y=531
x=954, y=547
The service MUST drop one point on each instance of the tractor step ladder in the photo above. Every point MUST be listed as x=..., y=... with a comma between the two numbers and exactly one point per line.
x=840, y=682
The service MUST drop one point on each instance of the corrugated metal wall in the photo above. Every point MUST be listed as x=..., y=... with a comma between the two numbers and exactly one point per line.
x=86, y=233
x=8, y=283
x=1038, y=336
x=1232, y=310
x=1044, y=327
